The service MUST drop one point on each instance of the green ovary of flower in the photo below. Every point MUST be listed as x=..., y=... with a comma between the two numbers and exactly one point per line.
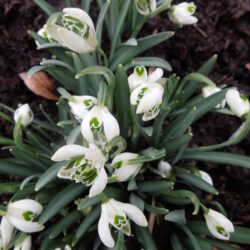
x=191, y=9
x=75, y=25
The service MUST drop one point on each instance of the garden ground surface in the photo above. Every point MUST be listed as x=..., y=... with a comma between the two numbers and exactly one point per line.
x=223, y=29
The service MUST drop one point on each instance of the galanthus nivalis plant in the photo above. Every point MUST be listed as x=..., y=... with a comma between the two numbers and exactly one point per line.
x=118, y=160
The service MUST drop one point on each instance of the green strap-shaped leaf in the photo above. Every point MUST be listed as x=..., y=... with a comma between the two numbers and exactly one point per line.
x=9, y=188
x=65, y=223
x=176, y=216
x=155, y=186
x=118, y=28
x=17, y=169
x=122, y=100
x=217, y=157
x=106, y=73
x=150, y=62
x=62, y=199
x=45, y=6
x=123, y=55
x=182, y=197
x=100, y=20
x=197, y=182
x=54, y=62
x=86, y=224
x=49, y=175
x=239, y=135
x=194, y=244
x=175, y=242
x=145, y=238
x=89, y=202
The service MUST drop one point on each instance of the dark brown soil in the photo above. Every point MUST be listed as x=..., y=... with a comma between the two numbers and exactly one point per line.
x=223, y=29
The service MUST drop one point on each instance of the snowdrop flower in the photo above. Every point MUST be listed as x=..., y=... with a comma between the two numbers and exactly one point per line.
x=114, y=213
x=165, y=168
x=182, y=14
x=148, y=98
x=78, y=33
x=99, y=126
x=239, y=104
x=84, y=165
x=80, y=105
x=141, y=76
x=25, y=114
x=6, y=231
x=123, y=170
x=22, y=213
x=210, y=90
x=205, y=176
x=219, y=226
x=25, y=244
x=145, y=7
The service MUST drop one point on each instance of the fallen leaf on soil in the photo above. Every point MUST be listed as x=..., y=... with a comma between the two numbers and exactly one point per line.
x=248, y=66
x=40, y=84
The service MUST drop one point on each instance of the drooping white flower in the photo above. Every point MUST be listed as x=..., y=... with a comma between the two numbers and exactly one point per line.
x=145, y=7
x=182, y=14
x=148, y=98
x=24, y=113
x=84, y=165
x=22, y=213
x=25, y=244
x=219, y=226
x=123, y=170
x=114, y=213
x=206, y=177
x=6, y=231
x=239, y=104
x=141, y=76
x=210, y=90
x=99, y=126
x=80, y=105
x=165, y=168
x=78, y=33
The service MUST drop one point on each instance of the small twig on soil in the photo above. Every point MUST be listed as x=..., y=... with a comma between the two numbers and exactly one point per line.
x=202, y=32
x=152, y=217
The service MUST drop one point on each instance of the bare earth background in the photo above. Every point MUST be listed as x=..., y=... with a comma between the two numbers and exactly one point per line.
x=223, y=29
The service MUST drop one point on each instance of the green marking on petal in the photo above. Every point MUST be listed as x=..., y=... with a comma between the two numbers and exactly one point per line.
x=95, y=125
x=88, y=103
x=122, y=224
x=221, y=230
x=28, y=216
x=140, y=70
x=75, y=25
x=191, y=8
x=117, y=165
x=142, y=92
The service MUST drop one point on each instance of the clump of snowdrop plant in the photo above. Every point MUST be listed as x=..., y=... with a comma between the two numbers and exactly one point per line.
x=116, y=166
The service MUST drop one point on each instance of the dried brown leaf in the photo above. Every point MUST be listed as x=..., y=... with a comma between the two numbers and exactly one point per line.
x=40, y=84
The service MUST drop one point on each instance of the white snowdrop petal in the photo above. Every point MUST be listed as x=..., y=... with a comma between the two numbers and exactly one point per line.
x=99, y=184
x=67, y=152
x=104, y=230
x=25, y=226
x=134, y=213
x=6, y=231
x=124, y=157
x=110, y=125
x=27, y=205
x=52, y=29
x=134, y=95
x=155, y=75
x=74, y=42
